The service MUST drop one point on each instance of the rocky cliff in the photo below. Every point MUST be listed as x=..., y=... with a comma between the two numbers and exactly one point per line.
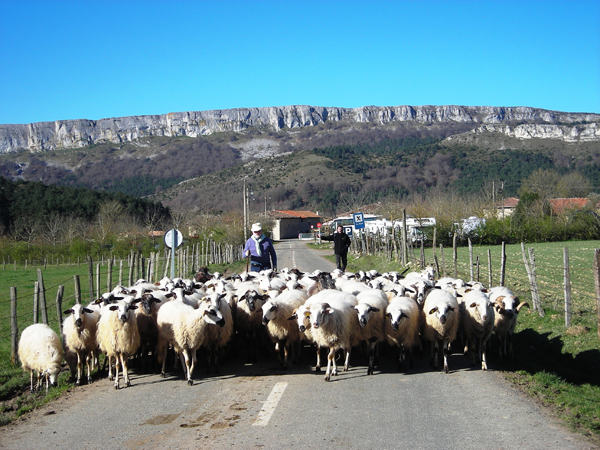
x=42, y=136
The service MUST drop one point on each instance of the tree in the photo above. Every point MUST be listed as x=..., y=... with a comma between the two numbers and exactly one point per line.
x=543, y=182
x=573, y=184
x=108, y=217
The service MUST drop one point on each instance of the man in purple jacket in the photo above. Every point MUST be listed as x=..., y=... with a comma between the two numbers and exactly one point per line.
x=261, y=250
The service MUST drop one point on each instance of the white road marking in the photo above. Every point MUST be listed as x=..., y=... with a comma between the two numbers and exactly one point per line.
x=293, y=259
x=264, y=415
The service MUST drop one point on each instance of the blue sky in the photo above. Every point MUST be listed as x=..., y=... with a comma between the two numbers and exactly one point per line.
x=92, y=60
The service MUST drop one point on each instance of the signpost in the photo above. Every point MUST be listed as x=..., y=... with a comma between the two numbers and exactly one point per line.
x=173, y=239
x=359, y=221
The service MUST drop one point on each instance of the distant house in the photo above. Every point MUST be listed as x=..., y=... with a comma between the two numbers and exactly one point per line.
x=561, y=206
x=288, y=224
x=503, y=208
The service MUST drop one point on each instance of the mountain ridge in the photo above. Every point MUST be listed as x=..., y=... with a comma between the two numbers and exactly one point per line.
x=78, y=133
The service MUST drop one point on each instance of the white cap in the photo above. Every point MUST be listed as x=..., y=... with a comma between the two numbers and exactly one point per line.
x=256, y=227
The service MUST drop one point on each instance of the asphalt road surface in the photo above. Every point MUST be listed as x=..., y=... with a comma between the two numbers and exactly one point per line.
x=261, y=406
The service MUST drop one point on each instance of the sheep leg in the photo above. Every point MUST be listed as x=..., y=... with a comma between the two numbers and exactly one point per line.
x=346, y=362
x=483, y=351
x=190, y=362
x=88, y=362
x=371, y=368
x=110, y=374
x=79, y=364
x=116, y=371
x=318, y=367
x=509, y=345
x=330, y=362
x=125, y=370
x=471, y=347
x=446, y=347
x=434, y=354
x=31, y=381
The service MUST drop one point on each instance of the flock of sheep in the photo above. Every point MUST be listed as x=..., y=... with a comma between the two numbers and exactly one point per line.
x=336, y=311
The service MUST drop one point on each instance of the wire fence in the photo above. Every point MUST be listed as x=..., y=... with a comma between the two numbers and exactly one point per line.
x=41, y=294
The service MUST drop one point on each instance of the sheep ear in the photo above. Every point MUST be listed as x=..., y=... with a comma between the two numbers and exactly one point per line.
x=293, y=317
x=388, y=315
x=431, y=311
x=113, y=307
x=473, y=305
x=373, y=309
x=87, y=310
x=328, y=311
x=133, y=307
x=402, y=314
x=409, y=290
x=306, y=313
x=68, y=311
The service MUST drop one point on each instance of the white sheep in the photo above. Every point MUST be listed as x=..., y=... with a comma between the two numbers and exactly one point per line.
x=216, y=338
x=403, y=319
x=183, y=327
x=334, y=326
x=118, y=336
x=442, y=318
x=370, y=308
x=302, y=316
x=283, y=332
x=507, y=306
x=79, y=336
x=40, y=350
x=477, y=323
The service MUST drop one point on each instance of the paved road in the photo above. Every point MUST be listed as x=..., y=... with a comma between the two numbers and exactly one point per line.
x=260, y=406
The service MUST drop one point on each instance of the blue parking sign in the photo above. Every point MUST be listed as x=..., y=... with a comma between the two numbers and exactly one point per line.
x=359, y=221
x=348, y=231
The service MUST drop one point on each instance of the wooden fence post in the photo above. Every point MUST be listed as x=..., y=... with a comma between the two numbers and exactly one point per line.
x=530, y=268
x=489, y=254
x=14, y=328
x=597, y=283
x=59, y=298
x=443, y=259
x=91, y=276
x=470, y=259
x=109, y=275
x=404, y=239
x=77, y=289
x=121, y=272
x=503, y=264
x=42, y=297
x=455, y=256
x=36, y=302
x=97, y=281
x=567, y=287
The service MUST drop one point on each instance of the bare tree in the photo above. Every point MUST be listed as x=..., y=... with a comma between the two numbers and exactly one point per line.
x=53, y=227
x=574, y=184
x=543, y=182
x=108, y=217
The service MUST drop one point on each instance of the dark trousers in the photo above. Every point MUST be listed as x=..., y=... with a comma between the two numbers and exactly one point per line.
x=341, y=261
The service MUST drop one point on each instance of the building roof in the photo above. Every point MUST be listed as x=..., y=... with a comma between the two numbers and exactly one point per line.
x=288, y=214
x=560, y=205
x=510, y=202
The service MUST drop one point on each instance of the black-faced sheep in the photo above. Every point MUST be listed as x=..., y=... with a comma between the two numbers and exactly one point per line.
x=40, y=350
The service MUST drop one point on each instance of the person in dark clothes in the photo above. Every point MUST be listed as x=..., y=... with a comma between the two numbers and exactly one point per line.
x=341, y=244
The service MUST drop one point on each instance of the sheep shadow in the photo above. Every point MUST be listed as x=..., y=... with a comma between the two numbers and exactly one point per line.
x=536, y=352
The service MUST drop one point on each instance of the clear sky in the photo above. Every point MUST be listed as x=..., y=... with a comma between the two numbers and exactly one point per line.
x=88, y=59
